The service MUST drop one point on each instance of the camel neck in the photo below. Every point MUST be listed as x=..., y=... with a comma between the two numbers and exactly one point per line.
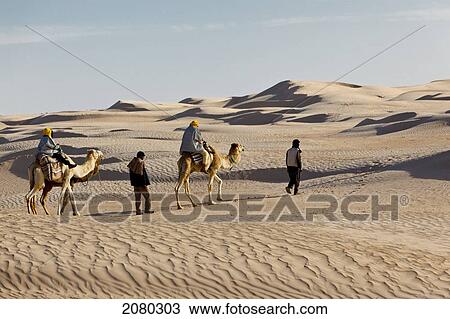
x=87, y=167
x=231, y=161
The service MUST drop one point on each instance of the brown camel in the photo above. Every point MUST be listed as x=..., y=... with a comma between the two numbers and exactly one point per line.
x=186, y=167
x=81, y=173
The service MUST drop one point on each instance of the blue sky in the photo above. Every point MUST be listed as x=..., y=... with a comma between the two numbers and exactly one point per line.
x=169, y=50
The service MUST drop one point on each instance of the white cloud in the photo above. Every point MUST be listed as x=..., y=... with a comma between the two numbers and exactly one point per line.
x=280, y=22
x=208, y=27
x=426, y=14
x=22, y=35
x=220, y=26
x=183, y=27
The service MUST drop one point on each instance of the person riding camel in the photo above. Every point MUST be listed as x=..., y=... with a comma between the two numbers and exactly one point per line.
x=47, y=146
x=192, y=142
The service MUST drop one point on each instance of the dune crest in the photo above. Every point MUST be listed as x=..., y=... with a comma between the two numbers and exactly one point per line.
x=131, y=106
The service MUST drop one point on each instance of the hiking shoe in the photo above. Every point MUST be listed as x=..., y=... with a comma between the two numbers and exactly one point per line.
x=288, y=190
x=139, y=213
x=150, y=212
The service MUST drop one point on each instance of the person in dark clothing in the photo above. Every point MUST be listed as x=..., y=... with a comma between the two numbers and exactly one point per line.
x=294, y=166
x=139, y=180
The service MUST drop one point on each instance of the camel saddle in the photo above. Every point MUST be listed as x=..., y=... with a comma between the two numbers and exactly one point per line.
x=51, y=168
x=197, y=158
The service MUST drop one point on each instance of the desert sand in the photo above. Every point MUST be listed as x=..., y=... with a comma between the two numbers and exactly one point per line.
x=355, y=140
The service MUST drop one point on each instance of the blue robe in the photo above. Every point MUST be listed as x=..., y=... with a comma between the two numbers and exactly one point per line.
x=192, y=141
x=47, y=146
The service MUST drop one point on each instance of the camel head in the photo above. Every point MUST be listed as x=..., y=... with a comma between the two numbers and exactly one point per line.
x=234, y=154
x=96, y=154
x=236, y=149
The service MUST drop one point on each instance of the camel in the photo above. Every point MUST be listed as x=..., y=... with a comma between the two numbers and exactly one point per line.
x=186, y=167
x=81, y=173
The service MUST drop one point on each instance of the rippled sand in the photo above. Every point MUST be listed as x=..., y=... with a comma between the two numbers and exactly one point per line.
x=355, y=140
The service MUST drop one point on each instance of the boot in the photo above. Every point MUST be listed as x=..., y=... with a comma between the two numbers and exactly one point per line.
x=65, y=160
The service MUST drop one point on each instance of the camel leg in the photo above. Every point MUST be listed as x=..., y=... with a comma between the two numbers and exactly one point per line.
x=64, y=189
x=219, y=182
x=65, y=201
x=73, y=202
x=210, y=186
x=177, y=188
x=187, y=190
x=47, y=189
x=31, y=200
x=33, y=205
x=37, y=182
x=31, y=191
x=28, y=201
x=28, y=205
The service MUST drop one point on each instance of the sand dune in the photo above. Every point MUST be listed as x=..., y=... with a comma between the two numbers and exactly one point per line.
x=356, y=140
x=398, y=123
x=300, y=101
x=295, y=93
x=422, y=95
x=56, y=118
x=131, y=106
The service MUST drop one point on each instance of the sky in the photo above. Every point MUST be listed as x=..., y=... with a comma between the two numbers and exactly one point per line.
x=169, y=50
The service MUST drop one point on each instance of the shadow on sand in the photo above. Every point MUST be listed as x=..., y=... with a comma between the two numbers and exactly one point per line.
x=436, y=167
x=245, y=117
x=397, y=123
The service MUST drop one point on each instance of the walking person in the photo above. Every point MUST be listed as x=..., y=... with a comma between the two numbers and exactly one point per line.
x=140, y=181
x=294, y=166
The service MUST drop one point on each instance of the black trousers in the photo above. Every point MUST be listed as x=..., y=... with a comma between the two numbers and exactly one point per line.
x=61, y=158
x=294, y=177
x=142, y=191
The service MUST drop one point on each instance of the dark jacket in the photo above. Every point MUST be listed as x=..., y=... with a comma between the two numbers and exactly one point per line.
x=138, y=173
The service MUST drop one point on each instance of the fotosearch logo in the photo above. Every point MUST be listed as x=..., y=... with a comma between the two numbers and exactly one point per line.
x=246, y=208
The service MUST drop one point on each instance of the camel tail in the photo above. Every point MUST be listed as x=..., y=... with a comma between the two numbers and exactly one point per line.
x=180, y=167
x=31, y=176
